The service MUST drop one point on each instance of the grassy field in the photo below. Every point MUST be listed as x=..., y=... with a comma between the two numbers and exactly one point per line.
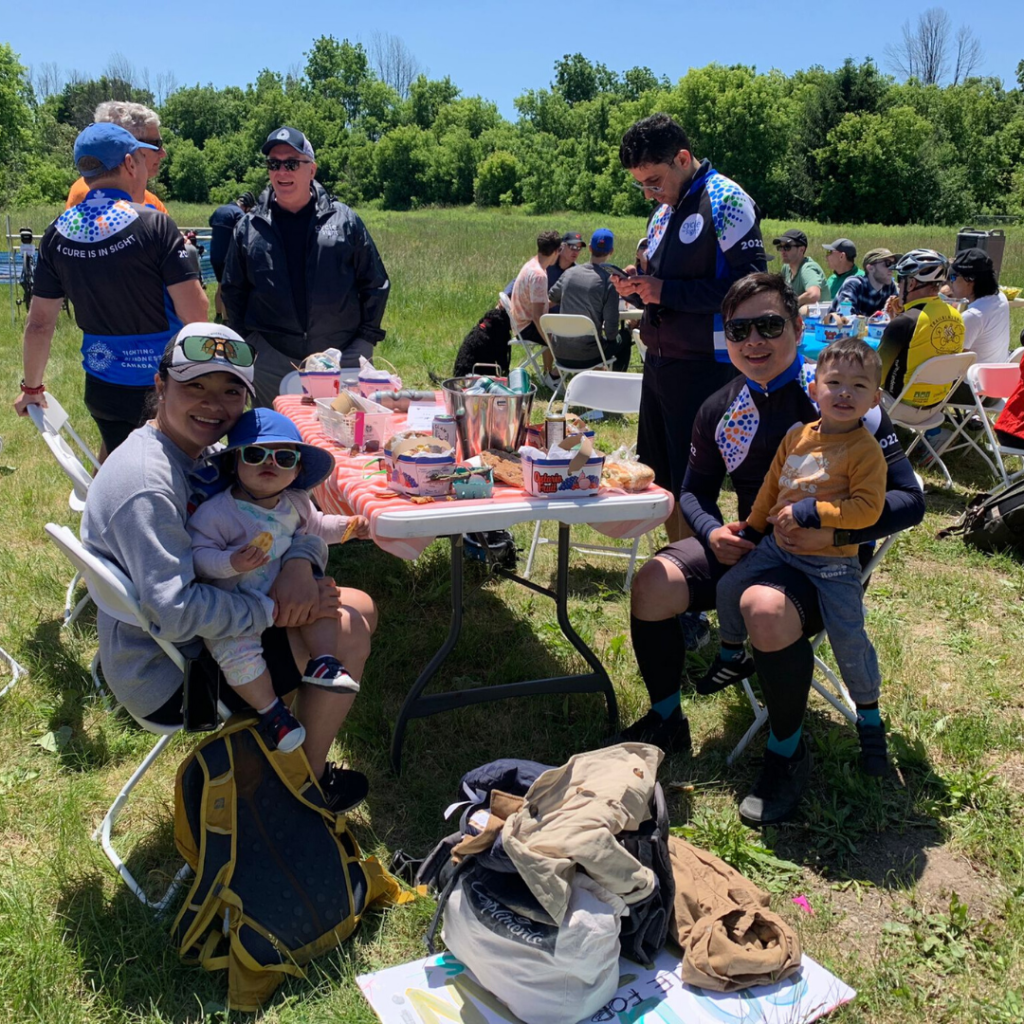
x=915, y=881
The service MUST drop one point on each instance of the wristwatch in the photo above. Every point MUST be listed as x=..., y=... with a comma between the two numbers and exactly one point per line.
x=840, y=538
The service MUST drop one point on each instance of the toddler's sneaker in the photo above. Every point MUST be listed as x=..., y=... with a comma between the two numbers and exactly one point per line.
x=874, y=759
x=282, y=728
x=329, y=673
x=724, y=673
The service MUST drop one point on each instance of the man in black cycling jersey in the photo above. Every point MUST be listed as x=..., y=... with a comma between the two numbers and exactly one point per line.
x=737, y=433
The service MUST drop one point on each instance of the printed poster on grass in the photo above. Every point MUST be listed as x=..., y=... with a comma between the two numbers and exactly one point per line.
x=441, y=990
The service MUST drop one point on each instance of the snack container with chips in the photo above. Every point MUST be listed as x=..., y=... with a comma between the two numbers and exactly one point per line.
x=419, y=464
x=561, y=471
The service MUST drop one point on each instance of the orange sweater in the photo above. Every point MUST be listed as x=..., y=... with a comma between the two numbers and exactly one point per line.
x=81, y=188
x=844, y=473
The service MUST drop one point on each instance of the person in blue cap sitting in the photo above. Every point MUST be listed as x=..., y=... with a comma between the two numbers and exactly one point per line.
x=238, y=539
x=586, y=289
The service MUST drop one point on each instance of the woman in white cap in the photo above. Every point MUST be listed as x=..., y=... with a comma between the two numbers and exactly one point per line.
x=135, y=516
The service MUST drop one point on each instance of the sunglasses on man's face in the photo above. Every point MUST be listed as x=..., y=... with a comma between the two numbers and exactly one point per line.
x=769, y=326
x=158, y=142
x=199, y=349
x=256, y=455
x=785, y=246
x=291, y=164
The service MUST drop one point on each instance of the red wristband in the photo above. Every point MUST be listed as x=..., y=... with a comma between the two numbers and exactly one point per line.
x=26, y=390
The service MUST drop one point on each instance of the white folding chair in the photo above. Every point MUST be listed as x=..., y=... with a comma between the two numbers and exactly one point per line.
x=640, y=346
x=290, y=384
x=51, y=422
x=945, y=372
x=116, y=595
x=610, y=392
x=570, y=325
x=16, y=671
x=995, y=382
x=528, y=347
x=831, y=687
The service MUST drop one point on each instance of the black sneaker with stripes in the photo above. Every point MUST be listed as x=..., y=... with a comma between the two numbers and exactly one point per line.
x=724, y=673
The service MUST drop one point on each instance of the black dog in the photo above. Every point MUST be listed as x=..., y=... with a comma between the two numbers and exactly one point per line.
x=487, y=342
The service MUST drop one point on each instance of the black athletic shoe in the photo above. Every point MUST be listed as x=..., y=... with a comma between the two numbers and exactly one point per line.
x=778, y=788
x=724, y=673
x=696, y=631
x=672, y=734
x=343, y=788
x=874, y=758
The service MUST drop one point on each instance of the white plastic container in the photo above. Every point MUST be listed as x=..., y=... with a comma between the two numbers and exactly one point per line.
x=366, y=425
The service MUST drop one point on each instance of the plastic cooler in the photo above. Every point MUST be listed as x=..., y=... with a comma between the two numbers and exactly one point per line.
x=992, y=242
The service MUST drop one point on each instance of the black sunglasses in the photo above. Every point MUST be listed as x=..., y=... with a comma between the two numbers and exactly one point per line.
x=786, y=246
x=158, y=142
x=769, y=326
x=291, y=164
x=256, y=455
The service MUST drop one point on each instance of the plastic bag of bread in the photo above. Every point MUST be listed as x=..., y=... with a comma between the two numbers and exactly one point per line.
x=623, y=472
x=507, y=466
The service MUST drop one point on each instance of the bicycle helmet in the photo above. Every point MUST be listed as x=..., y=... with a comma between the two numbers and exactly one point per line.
x=925, y=265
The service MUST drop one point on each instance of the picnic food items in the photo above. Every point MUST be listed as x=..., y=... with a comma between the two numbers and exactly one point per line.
x=374, y=378
x=319, y=373
x=354, y=421
x=417, y=463
x=263, y=541
x=353, y=525
x=570, y=468
x=487, y=419
x=508, y=468
x=624, y=472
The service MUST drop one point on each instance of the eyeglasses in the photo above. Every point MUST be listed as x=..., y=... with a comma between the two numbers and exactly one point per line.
x=575, y=248
x=291, y=164
x=786, y=246
x=653, y=189
x=769, y=326
x=200, y=349
x=888, y=264
x=283, y=458
x=158, y=142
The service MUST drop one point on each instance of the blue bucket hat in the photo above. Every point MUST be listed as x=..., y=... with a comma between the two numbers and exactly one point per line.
x=264, y=426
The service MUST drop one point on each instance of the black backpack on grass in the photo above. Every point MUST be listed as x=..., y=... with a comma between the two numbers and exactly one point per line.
x=992, y=522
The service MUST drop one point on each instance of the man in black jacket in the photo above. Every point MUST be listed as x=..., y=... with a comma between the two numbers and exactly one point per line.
x=704, y=236
x=303, y=274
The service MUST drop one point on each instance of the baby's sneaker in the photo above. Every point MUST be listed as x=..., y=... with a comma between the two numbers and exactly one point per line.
x=329, y=673
x=282, y=728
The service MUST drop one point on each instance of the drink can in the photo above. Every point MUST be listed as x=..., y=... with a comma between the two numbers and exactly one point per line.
x=554, y=430
x=444, y=429
x=519, y=380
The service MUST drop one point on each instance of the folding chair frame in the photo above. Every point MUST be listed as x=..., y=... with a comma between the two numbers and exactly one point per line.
x=577, y=383
x=16, y=671
x=960, y=415
x=529, y=356
x=115, y=592
x=549, y=325
x=50, y=422
x=931, y=416
x=831, y=688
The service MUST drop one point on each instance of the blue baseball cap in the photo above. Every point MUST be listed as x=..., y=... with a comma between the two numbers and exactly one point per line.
x=602, y=242
x=109, y=143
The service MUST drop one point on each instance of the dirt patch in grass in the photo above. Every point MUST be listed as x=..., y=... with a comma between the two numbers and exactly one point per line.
x=917, y=870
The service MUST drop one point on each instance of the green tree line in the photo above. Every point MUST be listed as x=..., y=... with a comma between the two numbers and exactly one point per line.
x=850, y=144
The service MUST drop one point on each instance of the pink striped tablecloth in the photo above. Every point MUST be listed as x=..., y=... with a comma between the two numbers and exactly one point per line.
x=405, y=529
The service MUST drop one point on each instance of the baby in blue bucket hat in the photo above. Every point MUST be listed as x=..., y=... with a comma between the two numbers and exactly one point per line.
x=238, y=538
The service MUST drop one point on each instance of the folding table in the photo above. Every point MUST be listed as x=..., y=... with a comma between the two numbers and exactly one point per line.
x=405, y=529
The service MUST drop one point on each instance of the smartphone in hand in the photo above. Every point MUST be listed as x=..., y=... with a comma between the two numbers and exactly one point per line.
x=616, y=271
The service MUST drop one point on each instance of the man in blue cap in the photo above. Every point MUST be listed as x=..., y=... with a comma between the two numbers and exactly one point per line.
x=586, y=289
x=303, y=274
x=124, y=267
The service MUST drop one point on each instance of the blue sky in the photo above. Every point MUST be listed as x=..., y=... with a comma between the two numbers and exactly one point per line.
x=496, y=50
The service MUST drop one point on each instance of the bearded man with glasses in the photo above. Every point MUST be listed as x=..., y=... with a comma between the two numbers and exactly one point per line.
x=736, y=434
x=868, y=294
x=303, y=274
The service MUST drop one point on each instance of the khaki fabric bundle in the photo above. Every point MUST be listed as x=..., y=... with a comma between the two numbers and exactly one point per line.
x=729, y=937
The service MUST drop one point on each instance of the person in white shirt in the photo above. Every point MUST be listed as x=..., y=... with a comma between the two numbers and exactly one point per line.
x=987, y=317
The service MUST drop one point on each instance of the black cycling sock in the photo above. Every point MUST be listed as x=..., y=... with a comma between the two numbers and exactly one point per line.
x=660, y=655
x=785, y=678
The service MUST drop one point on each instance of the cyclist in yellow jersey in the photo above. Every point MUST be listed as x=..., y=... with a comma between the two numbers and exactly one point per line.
x=928, y=326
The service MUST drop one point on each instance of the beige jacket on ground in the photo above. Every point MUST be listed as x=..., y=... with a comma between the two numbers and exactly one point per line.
x=729, y=937
x=571, y=817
